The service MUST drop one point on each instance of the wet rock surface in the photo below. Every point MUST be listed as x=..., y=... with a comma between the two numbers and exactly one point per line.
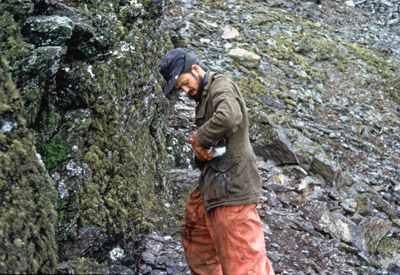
x=325, y=133
x=87, y=104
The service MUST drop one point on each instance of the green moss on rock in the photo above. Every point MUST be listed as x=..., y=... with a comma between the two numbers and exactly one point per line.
x=87, y=266
x=27, y=195
x=387, y=73
x=12, y=14
x=53, y=152
x=99, y=122
x=388, y=251
x=122, y=140
x=216, y=4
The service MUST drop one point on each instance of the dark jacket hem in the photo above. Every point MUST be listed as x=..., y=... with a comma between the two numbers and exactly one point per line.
x=230, y=202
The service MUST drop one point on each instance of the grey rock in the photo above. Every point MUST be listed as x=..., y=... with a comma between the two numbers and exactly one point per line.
x=325, y=167
x=273, y=144
x=45, y=60
x=245, y=57
x=333, y=223
x=349, y=205
x=51, y=30
x=145, y=269
x=8, y=122
x=374, y=230
x=120, y=269
x=88, y=243
x=148, y=258
x=230, y=33
x=394, y=268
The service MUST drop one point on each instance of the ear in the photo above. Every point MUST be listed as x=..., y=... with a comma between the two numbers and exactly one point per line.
x=195, y=68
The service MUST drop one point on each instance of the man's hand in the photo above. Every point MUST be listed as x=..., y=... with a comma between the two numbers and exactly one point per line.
x=201, y=153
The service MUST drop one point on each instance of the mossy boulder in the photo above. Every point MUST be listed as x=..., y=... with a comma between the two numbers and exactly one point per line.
x=271, y=141
x=94, y=112
x=388, y=251
x=48, y=30
x=27, y=195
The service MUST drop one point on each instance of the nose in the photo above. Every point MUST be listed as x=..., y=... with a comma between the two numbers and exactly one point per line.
x=185, y=89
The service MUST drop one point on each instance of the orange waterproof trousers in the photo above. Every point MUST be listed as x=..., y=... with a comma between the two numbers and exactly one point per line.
x=227, y=240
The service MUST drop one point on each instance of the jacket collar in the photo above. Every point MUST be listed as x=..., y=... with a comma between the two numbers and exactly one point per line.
x=201, y=105
x=207, y=84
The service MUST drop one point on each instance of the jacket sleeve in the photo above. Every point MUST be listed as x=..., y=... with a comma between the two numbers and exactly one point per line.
x=227, y=115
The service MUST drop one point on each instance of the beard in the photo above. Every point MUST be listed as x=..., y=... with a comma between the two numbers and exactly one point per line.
x=200, y=83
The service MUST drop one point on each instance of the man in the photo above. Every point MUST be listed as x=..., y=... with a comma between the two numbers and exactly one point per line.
x=221, y=231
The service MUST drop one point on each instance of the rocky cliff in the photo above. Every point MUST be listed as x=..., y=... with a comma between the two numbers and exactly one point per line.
x=88, y=121
x=96, y=165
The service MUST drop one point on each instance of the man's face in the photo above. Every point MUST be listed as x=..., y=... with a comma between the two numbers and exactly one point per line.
x=191, y=83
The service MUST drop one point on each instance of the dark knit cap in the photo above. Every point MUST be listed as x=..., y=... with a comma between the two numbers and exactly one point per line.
x=174, y=64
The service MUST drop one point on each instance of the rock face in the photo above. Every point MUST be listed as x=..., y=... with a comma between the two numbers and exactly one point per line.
x=27, y=195
x=92, y=107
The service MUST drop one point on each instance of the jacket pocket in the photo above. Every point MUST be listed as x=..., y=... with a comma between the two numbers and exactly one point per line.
x=221, y=178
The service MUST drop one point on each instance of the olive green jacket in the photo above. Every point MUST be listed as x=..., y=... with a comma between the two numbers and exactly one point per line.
x=233, y=178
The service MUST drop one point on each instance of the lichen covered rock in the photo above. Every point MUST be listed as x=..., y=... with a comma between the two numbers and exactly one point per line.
x=48, y=29
x=27, y=194
x=92, y=97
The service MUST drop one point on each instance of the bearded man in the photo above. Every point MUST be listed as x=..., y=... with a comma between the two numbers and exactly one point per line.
x=221, y=231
